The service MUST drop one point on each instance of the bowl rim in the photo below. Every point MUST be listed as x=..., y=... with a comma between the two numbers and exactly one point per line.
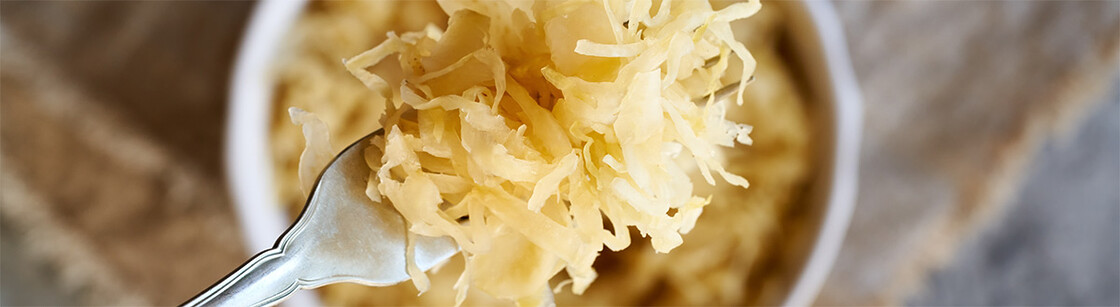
x=249, y=163
x=847, y=124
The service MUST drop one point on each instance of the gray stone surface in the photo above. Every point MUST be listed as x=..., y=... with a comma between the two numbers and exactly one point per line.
x=1058, y=243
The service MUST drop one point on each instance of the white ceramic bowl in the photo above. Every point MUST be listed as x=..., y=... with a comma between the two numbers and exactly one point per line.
x=821, y=53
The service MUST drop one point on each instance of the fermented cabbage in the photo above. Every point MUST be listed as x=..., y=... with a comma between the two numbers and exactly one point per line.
x=536, y=133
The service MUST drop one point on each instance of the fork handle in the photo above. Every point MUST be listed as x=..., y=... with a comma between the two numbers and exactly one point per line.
x=265, y=280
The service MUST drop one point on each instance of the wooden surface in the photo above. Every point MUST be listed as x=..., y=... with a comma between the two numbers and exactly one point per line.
x=959, y=96
x=111, y=121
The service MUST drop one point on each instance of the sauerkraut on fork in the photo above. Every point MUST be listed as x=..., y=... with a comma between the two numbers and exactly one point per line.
x=536, y=133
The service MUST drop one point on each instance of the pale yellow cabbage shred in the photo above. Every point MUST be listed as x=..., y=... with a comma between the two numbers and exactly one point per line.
x=537, y=120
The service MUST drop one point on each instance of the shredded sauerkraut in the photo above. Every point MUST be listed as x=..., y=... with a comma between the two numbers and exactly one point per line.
x=526, y=128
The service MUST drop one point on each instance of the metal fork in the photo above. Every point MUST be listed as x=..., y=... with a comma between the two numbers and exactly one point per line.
x=341, y=236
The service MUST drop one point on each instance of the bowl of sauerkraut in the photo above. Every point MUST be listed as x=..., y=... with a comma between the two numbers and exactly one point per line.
x=532, y=121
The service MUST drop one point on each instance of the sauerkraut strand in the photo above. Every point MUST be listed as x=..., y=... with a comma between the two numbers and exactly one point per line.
x=532, y=121
x=317, y=149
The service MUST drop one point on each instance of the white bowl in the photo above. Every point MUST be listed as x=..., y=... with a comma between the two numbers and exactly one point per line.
x=817, y=40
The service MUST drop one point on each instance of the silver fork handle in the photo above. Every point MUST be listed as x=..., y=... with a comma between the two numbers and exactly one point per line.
x=265, y=280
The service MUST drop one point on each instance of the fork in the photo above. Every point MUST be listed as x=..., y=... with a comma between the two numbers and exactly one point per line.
x=341, y=236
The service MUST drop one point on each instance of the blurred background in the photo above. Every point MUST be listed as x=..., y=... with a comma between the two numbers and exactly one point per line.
x=990, y=158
